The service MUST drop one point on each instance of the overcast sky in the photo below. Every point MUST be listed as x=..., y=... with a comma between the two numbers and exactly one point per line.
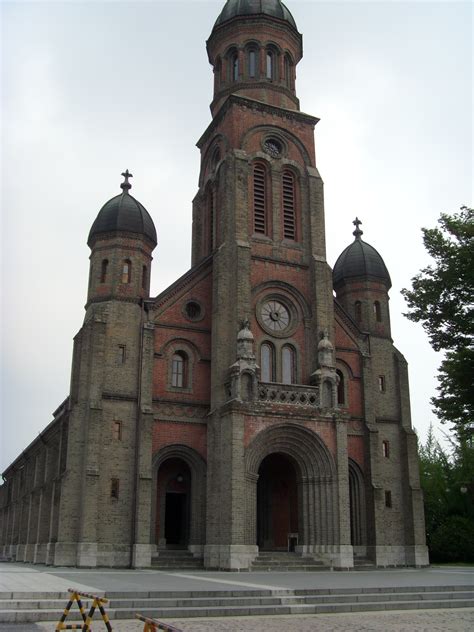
x=90, y=89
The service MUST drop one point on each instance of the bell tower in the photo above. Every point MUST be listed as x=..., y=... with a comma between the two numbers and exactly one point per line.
x=259, y=215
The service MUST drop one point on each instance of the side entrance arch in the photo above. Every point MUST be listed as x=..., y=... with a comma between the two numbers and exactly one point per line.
x=179, y=498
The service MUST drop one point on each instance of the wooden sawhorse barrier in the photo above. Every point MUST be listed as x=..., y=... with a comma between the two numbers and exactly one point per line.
x=97, y=602
x=152, y=625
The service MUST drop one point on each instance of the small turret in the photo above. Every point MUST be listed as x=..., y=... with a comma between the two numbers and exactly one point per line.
x=361, y=282
x=121, y=239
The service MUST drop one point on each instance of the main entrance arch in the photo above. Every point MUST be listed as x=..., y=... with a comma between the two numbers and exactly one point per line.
x=277, y=503
x=290, y=462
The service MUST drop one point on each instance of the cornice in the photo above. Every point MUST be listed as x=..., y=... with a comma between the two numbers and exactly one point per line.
x=260, y=106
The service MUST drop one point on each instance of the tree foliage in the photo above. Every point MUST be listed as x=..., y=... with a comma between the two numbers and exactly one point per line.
x=441, y=299
x=447, y=481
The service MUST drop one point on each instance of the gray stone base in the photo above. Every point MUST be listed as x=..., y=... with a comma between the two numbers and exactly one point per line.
x=20, y=552
x=50, y=552
x=399, y=555
x=196, y=549
x=142, y=555
x=29, y=554
x=65, y=554
x=39, y=556
x=86, y=554
x=336, y=556
x=229, y=556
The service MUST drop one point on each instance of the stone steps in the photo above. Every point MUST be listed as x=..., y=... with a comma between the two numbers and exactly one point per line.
x=33, y=607
x=175, y=559
x=284, y=561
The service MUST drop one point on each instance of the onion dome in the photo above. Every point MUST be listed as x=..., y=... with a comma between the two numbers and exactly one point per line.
x=360, y=261
x=244, y=8
x=123, y=213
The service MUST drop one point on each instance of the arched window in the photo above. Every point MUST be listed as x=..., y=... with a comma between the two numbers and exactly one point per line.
x=103, y=270
x=259, y=199
x=252, y=63
x=377, y=312
x=270, y=64
x=267, y=362
x=144, y=277
x=358, y=311
x=127, y=271
x=179, y=366
x=288, y=365
x=341, y=395
x=288, y=72
x=234, y=65
x=210, y=221
x=289, y=205
x=217, y=73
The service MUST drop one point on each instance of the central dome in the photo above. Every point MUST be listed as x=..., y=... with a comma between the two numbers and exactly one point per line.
x=238, y=8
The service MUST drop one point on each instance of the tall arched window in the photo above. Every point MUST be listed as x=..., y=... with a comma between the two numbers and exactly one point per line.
x=234, y=66
x=217, y=73
x=288, y=365
x=252, y=63
x=341, y=395
x=144, y=277
x=288, y=72
x=210, y=220
x=103, y=270
x=358, y=311
x=270, y=64
x=377, y=312
x=259, y=199
x=127, y=271
x=179, y=367
x=267, y=362
x=289, y=205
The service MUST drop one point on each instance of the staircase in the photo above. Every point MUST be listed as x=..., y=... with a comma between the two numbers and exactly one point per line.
x=285, y=561
x=175, y=559
x=33, y=607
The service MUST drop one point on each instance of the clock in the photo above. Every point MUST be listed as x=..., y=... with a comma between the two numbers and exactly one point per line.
x=275, y=316
x=272, y=147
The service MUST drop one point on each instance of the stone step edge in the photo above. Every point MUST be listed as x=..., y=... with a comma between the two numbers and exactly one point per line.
x=34, y=615
x=157, y=594
x=120, y=604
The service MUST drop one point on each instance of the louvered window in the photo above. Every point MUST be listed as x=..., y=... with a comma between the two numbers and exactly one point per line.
x=259, y=199
x=289, y=219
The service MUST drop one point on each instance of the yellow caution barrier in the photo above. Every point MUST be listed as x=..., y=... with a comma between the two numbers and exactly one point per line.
x=97, y=602
x=152, y=625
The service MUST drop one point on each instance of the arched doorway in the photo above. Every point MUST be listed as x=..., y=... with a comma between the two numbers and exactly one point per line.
x=357, y=508
x=277, y=503
x=298, y=449
x=173, y=504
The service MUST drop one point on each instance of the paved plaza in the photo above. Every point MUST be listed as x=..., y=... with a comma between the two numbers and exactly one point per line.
x=21, y=578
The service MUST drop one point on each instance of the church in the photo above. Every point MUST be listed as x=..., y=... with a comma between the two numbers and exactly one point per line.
x=256, y=405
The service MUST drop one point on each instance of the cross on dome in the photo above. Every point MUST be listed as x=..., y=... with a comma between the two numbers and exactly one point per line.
x=126, y=184
x=357, y=233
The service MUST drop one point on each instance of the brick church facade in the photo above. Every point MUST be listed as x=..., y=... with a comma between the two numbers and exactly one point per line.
x=256, y=404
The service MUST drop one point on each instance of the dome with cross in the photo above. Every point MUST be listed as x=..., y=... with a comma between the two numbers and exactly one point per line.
x=123, y=213
x=244, y=8
x=360, y=261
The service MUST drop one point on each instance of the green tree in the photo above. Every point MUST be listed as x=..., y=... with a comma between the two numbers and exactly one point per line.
x=447, y=480
x=441, y=299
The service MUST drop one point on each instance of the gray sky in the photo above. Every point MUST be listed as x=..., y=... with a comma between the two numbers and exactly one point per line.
x=90, y=89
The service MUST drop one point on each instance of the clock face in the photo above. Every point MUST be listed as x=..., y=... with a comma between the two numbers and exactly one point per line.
x=272, y=147
x=275, y=316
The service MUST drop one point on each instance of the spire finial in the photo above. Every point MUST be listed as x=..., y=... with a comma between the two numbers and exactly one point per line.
x=126, y=186
x=358, y=232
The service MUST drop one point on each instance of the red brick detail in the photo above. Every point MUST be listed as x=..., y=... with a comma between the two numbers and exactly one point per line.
x=193, y=435
x=355, y=450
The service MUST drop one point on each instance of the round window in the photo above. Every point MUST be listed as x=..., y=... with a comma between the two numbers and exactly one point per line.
x=193, y=310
